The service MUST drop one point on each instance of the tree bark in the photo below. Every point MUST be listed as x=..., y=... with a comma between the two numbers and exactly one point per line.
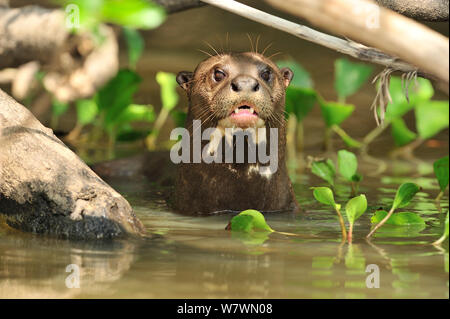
x=378, y=27
x=45, y=188
x=424, y=10
x=173, y=6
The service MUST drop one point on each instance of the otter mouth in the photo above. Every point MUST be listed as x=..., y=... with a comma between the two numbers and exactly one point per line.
x=244, y=115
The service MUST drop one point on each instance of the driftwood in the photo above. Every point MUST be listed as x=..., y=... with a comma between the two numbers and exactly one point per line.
x=391, y=32
x=173, y=6
x=45, y=188
x=424, y=10
x=75, y=68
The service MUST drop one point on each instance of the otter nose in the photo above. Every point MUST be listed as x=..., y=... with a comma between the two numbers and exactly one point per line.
x=244, y=83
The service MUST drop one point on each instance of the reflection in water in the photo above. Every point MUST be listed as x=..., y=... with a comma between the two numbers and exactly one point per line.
x=196, y=257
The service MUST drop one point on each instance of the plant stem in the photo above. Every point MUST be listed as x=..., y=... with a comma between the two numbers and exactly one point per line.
x=407, y=150
x=290, y=137
x=381, y=223
x=371, y=136
x=354, y=191
x=350, y=233
x=150, y=141
x=341, y=221
x=345, y=137
x=439, y=196
x=327, y=139
x=300, y=137
x=440, y=240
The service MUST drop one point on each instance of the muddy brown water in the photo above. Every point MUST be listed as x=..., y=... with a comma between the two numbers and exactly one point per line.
x=195, y=257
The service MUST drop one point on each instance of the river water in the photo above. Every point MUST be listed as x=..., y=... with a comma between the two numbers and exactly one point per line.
x=195, y=257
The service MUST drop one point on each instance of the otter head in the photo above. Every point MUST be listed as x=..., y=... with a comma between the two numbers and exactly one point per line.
x=236, y=90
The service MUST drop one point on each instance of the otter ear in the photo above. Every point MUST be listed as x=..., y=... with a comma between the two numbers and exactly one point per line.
x=183, y=79
x=287, y=76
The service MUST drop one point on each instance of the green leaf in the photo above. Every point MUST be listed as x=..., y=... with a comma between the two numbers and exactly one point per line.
x=87, y=110
x=126, y=133
x=117, y=94
x=348, y=165
x=405, y=194
x=324, y=169
x=249, y=220
x=136, y=112
x=400, y=132
x=335, y=113
x=133, y=13
x=59, y=108
x=301, y=78
x=300, y=101
x=135, y=45
x=89, y=13
x=399, y=106
x=179, y=117
x=431, y=117
x=355, y=208
x=349, y=77
x=441, y=171
x=168, y=84
x=325, y=196
x=398, y=219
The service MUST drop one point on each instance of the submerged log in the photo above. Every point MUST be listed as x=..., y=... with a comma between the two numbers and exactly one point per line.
x=45, y=188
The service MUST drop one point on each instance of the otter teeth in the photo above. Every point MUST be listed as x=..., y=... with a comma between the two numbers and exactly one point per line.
x=237, y=110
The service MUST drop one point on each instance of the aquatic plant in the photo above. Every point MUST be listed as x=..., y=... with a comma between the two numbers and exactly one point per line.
x=354, y=209
x=403, y=197
x=348, y=168
x=445, y=234
x=325, y=196
x=441, y=171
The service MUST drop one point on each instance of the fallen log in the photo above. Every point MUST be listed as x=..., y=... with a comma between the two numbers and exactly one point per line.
x=47, y=189
x=423, y=10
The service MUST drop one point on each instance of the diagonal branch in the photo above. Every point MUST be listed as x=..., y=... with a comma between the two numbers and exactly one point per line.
x=316, y=12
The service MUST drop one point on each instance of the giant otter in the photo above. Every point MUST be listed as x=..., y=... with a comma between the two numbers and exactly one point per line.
x=235, y=90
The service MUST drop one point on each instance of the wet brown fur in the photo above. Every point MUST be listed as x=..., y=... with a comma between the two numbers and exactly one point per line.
x=207, y=188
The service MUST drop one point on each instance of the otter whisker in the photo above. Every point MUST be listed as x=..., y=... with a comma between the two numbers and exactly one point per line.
x=251, y=42
x=207, y=53
x=257, y=41
x=222, y=51
x=275, y=54
x=211, y=47
x=266, y=48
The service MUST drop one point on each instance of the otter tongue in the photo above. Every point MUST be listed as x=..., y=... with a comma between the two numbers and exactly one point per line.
x=243, y=113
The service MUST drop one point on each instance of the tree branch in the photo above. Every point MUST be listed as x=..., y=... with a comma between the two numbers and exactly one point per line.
x=365, y=22
x=318, y=13
x=173, y=6
x=424, y=10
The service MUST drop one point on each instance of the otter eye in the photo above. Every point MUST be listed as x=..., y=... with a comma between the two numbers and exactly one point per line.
x=265, y=75
x=219, y=75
